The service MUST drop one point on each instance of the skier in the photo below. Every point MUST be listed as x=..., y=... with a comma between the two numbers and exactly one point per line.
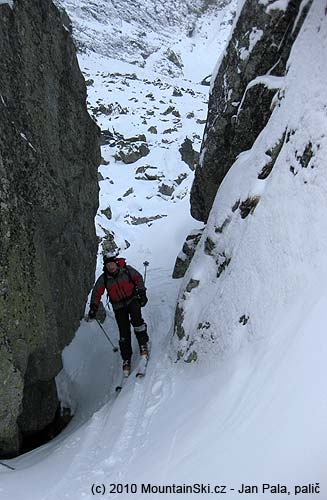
x=127, y=294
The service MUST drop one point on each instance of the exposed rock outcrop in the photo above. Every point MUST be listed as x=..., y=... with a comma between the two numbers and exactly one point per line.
x=49, y=196
x=188, y=154
x=240, y=102
x=185, y=256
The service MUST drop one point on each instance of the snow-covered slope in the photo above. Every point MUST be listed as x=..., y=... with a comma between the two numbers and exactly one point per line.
x=265, y=242
x=141, y=32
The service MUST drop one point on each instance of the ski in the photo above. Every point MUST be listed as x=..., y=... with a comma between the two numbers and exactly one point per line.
x=140, y=371
x=142, y=366
x=121, y=384
x=143, y=363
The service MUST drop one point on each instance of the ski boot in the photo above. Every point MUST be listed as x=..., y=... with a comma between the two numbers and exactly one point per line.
x=126, y=367
x=144, y=351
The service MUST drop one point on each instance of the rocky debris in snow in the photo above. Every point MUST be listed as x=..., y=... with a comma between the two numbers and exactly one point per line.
x=165, y=189
x=89, y=82
x=177, y=92
x=170, y=130
x=128, y=140
x=206, y=80
x=222, y=262
x=235, y=206
x=260, y=45
x=128, y=192
x=142, y=173
x=209, y=246
x=107, y=212
x=191, y=285
x=169, y=110
x=104, y=162
x=100, y=177
x=306, y=156
x=188, y=154
x=179, y=329
x=198, y=120
x=220, y=229
x=273, y=153
x=135, y=221
x=132, y=153
x=111, y=109
x=108, y=241
x=182, y=194
x=126, y=76
x=181, y=178
x=185, y=256
x=117, y=139
x=248, y=206
x=107, y=137
x=174, y=58
x=153, y=129
x=190, y=115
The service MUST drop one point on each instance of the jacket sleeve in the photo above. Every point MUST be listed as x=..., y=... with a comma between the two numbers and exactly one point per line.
x=136, y=278
x=98, y=290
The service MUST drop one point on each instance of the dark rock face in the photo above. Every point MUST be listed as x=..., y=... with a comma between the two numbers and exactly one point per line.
x=184, y=258
x=188, y=154
x=260, y=46
x=132, y=153
x=49, y=155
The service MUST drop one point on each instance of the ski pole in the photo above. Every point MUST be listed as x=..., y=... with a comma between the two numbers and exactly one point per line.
x=6, y=465
x=145, y=263
x=115, y=349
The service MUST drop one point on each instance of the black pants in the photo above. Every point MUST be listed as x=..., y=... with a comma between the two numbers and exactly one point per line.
x=130, y=313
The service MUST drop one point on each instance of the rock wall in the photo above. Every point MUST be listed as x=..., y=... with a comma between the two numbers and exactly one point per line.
x=240, y=107
x=49, y=155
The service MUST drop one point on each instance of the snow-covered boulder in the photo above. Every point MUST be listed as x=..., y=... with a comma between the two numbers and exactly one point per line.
x=186, y=254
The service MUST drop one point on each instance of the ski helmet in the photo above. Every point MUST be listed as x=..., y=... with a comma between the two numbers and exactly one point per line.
x=109, y=257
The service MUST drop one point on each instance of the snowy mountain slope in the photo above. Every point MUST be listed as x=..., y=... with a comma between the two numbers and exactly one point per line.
x=141, y=32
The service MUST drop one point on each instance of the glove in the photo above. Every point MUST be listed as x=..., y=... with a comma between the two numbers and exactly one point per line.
x=93, y=311
x=143, y=299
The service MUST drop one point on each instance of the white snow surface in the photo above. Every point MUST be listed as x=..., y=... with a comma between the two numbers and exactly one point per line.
x=254, y=409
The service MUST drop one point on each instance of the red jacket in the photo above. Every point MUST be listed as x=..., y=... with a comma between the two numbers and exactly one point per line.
x=121, y=288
